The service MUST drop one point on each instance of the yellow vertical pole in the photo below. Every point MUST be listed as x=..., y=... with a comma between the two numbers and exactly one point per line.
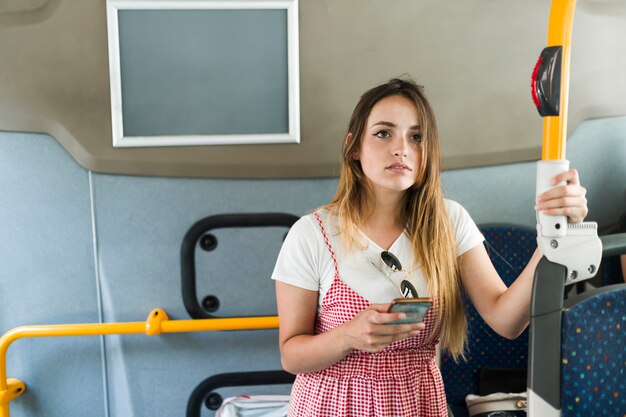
x=559, y=34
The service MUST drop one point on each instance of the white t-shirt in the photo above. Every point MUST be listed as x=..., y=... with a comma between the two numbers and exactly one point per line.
x=305, y=262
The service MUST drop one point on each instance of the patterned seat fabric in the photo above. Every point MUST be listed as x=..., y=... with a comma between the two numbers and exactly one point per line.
x=593, y=368
x=509, y=248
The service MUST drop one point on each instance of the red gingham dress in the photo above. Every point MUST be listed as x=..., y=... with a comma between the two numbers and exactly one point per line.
x=402, y=380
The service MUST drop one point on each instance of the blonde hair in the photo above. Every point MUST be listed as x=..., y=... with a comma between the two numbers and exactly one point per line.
x=422, y=210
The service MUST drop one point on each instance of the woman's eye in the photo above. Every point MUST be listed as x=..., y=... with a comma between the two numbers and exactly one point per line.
x=416, y=138
x=382, y=134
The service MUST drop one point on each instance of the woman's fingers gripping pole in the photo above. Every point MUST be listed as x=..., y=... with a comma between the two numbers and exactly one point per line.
x=567, y=199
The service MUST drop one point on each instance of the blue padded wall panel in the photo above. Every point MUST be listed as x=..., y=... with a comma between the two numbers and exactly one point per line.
x=140, y=224
x=47, y=276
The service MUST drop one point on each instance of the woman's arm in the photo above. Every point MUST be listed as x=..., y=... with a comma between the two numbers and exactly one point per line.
x=507, y=310
x=302, y=351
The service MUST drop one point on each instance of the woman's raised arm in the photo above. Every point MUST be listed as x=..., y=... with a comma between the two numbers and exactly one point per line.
x=507, y=310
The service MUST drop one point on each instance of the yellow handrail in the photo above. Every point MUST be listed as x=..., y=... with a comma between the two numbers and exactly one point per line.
x=157, y=322
x=559, y=34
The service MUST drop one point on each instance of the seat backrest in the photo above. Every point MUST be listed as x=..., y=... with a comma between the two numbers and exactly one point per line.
x=611, y=271
x=593, y=349
x=510, y=248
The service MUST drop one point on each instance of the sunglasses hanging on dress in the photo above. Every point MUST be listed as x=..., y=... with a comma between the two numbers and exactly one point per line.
x=392, y=262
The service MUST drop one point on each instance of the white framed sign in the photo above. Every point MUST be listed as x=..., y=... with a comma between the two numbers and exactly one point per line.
x=203, y=72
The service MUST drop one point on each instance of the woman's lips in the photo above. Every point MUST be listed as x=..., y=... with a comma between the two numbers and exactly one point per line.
x=400, y=168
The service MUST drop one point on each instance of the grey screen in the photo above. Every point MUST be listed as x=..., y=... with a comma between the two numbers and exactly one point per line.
x=203, y=72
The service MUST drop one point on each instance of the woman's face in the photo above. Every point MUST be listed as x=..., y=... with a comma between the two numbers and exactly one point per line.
x=391, y=146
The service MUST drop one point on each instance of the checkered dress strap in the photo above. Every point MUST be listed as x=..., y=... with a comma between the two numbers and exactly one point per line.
x=327, y=242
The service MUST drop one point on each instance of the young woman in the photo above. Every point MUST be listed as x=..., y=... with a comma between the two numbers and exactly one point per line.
x=333, y=287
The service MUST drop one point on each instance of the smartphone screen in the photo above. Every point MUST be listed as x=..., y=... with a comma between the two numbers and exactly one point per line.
x=414, y=308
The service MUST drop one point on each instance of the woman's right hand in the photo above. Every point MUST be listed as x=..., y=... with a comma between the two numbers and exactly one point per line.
x=303, y=351
x=368, y=332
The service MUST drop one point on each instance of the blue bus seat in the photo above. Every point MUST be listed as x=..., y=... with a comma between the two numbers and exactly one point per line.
x=577, y=360
x=510, y=248
x=593, y=363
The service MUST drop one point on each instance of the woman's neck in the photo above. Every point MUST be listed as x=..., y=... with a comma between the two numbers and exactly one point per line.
x=381, y=226
x=385, y=209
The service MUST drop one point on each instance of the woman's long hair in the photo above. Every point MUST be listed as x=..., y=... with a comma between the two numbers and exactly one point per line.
x=421, y=210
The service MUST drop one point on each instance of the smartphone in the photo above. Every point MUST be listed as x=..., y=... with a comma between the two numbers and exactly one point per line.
x=414, y=308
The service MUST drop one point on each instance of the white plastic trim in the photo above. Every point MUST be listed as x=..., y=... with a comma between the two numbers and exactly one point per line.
x=538, y=407
x=546, y=170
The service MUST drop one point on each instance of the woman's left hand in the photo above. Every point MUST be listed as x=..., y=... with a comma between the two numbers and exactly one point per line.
x=568, y=200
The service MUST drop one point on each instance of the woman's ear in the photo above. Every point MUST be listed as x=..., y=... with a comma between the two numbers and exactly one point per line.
x=346, y=143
